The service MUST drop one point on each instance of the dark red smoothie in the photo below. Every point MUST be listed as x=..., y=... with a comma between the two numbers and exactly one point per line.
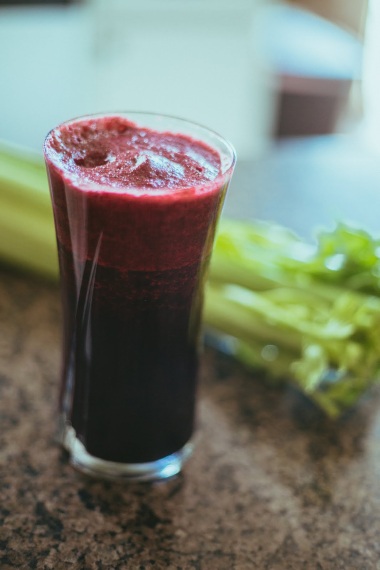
x=135, y=212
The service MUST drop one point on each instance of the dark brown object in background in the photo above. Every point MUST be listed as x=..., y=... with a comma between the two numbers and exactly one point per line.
x=310, y=106
x=315, y=63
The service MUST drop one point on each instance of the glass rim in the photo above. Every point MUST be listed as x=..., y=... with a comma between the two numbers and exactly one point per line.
x=209, y=136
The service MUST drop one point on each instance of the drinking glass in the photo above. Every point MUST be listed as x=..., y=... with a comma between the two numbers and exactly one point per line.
x=133, y=264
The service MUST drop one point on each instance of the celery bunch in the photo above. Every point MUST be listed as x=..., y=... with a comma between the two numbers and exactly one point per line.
x=27, y=237
x=309, y=315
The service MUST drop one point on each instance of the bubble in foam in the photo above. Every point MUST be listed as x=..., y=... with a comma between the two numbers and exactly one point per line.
x=92, y=159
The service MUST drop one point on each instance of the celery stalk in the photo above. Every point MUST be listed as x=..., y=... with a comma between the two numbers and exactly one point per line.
x=27, y=237
x=23, y=176
x=237, y=319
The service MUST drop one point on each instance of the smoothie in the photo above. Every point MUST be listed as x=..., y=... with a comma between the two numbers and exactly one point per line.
x=135, y=212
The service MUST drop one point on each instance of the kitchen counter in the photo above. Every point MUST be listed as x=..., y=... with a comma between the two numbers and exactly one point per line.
x=272, y=484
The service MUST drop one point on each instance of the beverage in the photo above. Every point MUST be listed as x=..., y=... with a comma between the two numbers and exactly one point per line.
x=135, y=210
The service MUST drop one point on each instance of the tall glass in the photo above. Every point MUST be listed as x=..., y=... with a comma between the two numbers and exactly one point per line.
x=132, y=267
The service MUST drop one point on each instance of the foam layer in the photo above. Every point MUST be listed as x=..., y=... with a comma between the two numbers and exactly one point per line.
x=114, y=152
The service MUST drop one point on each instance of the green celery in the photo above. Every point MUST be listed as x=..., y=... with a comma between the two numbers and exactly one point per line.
x=316, y=307
x=27, y=237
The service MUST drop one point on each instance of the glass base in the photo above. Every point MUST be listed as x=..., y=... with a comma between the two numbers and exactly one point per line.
x=151, y=471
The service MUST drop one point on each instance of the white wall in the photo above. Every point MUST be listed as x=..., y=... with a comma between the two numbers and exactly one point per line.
x=45, y=70
x=192, y=58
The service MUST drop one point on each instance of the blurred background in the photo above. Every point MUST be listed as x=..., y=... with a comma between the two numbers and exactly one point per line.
x=273, y=77
x=241, y=67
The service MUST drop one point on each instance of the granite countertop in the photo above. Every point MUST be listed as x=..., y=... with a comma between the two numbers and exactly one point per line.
x=271, y=485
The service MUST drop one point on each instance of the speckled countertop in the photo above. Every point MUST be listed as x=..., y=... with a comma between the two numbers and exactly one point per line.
x=271, y=485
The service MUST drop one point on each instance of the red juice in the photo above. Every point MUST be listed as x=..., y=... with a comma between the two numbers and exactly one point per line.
x=135, y=210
